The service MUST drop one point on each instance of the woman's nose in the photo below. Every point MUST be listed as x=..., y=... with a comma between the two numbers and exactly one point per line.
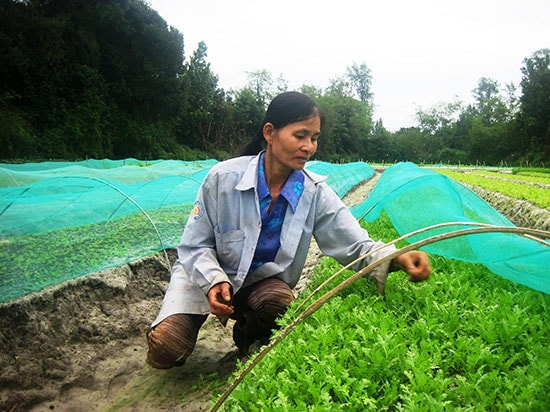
x=308, y=146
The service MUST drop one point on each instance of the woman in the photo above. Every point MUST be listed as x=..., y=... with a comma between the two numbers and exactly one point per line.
x=246, y=241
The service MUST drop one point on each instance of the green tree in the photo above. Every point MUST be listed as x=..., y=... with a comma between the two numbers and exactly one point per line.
x=339, y=87
x=409, y=145
x=261, y=83
x=200, y=125
x=249, y=114
x=347, y=127
x=380, y=144
x=360, y=78
x=438, y=126
x=88, y=78
x=489, y=133
x=534, y=115
x=312, y=91
x=489, y=103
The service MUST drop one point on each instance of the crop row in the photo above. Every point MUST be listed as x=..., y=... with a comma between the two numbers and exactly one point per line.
x=44, y=259
x=537, y=195
x=535, y=179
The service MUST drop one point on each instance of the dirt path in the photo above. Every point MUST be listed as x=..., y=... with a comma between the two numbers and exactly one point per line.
x=80, y=346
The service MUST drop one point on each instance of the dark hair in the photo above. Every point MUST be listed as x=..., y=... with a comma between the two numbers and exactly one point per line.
x=284, y=109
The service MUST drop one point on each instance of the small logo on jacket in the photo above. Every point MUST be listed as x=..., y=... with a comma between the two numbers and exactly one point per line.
x=197, y=211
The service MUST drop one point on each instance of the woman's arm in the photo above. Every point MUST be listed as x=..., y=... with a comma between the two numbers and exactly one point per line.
x=339, y=234
x=197, y=249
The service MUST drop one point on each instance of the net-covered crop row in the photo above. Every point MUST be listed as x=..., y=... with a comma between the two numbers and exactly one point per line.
x=59, y=221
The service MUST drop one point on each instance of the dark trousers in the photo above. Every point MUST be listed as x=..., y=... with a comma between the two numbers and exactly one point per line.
x=256, y=309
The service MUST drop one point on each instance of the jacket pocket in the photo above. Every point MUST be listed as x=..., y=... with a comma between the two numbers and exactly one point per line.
x=229, y=247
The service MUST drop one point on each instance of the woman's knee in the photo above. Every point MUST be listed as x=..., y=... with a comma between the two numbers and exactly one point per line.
x=271, y=296
x=173, y=340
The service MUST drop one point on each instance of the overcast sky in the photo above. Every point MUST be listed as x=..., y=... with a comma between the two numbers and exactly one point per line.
x=420, y=52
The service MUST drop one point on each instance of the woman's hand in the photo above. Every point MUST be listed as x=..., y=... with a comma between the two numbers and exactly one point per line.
x=415, y=263
x=219, y=298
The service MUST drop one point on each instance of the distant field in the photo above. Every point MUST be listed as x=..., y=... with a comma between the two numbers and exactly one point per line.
x=533, y=187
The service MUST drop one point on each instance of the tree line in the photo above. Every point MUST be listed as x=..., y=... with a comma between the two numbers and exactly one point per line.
x=110, y=79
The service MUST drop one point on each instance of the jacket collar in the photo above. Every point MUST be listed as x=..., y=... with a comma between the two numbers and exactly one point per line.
x=249, y=179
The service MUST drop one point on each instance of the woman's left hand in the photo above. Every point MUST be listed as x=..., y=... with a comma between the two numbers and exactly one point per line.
x=415, y=263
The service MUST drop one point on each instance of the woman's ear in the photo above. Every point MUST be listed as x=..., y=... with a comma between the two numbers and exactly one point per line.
x=268, y=131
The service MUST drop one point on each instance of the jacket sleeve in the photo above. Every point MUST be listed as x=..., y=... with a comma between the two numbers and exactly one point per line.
x=197, y=249
x=339, y=234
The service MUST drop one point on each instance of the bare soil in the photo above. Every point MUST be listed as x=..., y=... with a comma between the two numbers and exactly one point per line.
x=80, y=346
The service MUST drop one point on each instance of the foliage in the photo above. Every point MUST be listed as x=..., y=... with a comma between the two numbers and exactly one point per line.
x=531, y=170
x=534, y=119
x=96, y=79
x=110, y=79
x=348, y=123
x=465, y=340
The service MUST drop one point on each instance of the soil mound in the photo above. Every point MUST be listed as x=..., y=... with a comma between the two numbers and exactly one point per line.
x=56, y=343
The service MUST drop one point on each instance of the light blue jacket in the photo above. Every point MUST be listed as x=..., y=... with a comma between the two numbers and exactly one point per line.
x=220, y=237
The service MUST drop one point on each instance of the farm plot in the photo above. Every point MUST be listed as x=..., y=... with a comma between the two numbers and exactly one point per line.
x=533, y=190
x=465, y=340
x=450, y=343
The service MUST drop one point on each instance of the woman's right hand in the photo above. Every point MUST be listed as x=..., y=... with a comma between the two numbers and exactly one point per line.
x=219, y=298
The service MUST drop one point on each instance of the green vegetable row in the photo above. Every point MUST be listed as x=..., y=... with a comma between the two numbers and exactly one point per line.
x=464, y=340
x=539, y=196
x=31, y=262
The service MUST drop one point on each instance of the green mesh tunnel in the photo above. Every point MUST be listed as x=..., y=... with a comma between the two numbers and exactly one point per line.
x=415, y=198
x=62, y=220
x=59, y=221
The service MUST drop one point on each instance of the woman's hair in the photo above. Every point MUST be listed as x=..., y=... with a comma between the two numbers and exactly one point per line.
x=284, y=109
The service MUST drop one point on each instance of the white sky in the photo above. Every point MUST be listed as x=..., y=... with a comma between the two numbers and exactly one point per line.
x=420, y=52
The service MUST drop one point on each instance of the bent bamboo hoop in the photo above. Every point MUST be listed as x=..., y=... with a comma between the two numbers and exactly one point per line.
x=358, y=275
x=393, y=242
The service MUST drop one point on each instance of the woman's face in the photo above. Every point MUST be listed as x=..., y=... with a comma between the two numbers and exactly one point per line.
x=290, y=147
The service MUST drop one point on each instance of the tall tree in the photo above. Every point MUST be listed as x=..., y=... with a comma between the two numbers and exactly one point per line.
x=199, y=126
x=347, y=127
x=261, y=83
x=489, y=132
x=339, y=87
x=360, y=78
x=248, y=114
x=534, y=116
x=490, y=105
x=87, y=78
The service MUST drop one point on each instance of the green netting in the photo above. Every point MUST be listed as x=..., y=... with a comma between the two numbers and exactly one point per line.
x=415, y=198
x=111, y=170
x=71, y=219
x=342, y=177
x=60, y=220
